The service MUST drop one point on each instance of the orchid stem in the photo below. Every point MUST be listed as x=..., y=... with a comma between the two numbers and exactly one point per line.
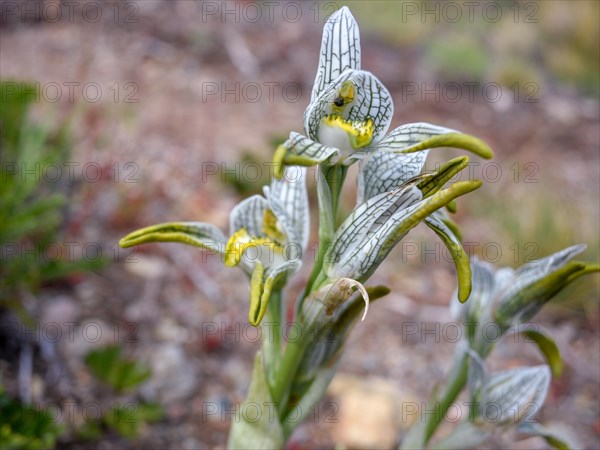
x=456, y=382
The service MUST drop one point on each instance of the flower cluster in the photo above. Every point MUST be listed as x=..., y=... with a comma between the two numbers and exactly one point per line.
x=347, y=120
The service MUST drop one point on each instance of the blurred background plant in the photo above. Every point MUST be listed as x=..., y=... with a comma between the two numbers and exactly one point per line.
x=33, y=208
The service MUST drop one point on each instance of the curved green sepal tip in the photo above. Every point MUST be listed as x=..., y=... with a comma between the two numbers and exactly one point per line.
x=455, y=140
x=376, y=292
x=548, y=348
x=436, y=181
x=279, y=161
x=453, y=226
x=258, y=305
x=191, y=233
x=451, y=207
x=459, y=256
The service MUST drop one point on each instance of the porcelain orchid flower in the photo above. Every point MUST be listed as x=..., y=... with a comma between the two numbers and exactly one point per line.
x=351, y=110
x=268, y=237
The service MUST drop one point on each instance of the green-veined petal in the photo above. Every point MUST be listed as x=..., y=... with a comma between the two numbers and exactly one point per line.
x=437, y=180
x=288, y=199
x=340, y=49
x=364, y=221
x=515, y=395
x=378, y=230
x=414, y=137
x=299, y=150
x=383, y=172
x=371, y=100
x=536, y=282
x=249, y=214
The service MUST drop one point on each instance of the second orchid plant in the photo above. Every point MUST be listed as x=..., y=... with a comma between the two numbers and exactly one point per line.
x=347, y=121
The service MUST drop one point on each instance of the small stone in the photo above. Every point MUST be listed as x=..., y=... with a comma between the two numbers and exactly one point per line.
x=173, y=377
x=149, y=267
x=370, y=412
x=87, y=336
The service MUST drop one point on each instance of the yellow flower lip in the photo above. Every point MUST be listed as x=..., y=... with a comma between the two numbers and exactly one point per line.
x=241, y=240
x=360, y=132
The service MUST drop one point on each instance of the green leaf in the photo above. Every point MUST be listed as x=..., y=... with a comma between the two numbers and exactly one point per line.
x=548, y=348
x=108, y=365
x=263, y=430
x=198, y=234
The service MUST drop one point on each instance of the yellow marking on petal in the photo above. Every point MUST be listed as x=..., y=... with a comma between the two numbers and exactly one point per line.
x=345, y=96
x=240, y=241
x=235, y=247
x=256, y=291
x=360, y=132
x=272, y=228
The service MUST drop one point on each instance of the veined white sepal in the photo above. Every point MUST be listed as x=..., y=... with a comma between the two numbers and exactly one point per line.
x=340, y=49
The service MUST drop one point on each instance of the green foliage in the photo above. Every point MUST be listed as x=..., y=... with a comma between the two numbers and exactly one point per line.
x=109, y=366
x=122, y=374
x=125, y=419
x=24, y=427
x=252, y=173
x=32, y=208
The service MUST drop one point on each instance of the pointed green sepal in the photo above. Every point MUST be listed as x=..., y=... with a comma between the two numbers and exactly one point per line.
x=548, y=348
x=524, y=300
x=433, y=183
x=279, y=161
x=197, y=234
x=263, y=282
x=460, y=257
x=454, y=140
x=258, y=307
x=451, y=207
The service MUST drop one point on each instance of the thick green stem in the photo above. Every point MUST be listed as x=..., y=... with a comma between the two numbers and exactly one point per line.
x=328, y=192
x=329, y=199
x=455, y=384
x=294, y=351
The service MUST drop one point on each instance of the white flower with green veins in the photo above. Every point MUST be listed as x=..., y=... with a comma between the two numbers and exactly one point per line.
x=390, y=205
x=393, y=197
x=268, y=237
x=351, y=110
